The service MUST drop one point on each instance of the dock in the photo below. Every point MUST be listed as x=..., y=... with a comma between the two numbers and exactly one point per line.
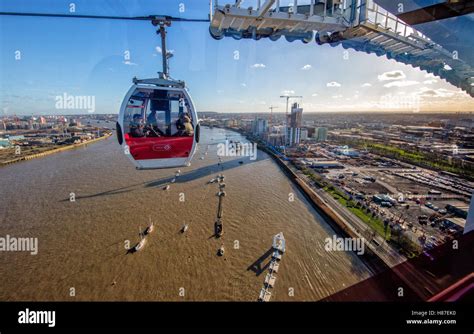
x=274, y=265
x=279, y=248
x=270, y=280
x=279, y=242
x=264, y=295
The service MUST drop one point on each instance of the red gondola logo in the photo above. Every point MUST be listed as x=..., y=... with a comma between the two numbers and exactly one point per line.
x=161, y=147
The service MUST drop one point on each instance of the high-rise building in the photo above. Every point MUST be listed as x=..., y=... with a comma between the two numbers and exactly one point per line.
x=275, y=139
x=304, y=134
x=293, y=125
x=260, y=126
x=296, y=116
x=321, y=134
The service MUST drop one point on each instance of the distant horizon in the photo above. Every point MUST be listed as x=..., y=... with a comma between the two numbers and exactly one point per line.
x=385, y=113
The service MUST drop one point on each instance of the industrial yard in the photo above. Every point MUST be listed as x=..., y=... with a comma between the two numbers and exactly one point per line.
x=428, y=207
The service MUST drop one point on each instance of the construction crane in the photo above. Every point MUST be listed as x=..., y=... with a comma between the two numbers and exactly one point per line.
x=288, y=97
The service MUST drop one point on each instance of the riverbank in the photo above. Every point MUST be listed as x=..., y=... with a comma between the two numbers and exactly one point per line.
x=53, y=150
x=370, y=258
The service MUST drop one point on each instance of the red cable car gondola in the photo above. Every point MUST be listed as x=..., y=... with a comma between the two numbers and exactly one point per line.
x=158, y=125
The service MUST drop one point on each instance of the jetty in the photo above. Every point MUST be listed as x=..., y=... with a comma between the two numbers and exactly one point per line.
x=279, y=248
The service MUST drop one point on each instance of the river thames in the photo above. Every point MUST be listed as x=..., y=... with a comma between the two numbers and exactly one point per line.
x=81, y=243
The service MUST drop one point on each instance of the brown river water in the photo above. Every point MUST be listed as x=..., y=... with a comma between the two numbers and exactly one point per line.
x=81, y=244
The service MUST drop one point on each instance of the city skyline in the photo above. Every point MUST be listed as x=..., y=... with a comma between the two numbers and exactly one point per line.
x=99, y=59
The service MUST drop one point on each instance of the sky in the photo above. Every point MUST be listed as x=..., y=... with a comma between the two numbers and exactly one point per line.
x=43, y=58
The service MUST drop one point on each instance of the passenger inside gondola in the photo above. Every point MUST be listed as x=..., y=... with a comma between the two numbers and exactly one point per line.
x=152, y=125
x=163, y=114
x=136, y=127
x=184, y=126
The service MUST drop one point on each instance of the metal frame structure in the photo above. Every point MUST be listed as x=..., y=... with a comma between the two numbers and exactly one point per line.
x=361, y=25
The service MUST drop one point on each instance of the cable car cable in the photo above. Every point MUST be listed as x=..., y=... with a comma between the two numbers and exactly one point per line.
x=132, y=18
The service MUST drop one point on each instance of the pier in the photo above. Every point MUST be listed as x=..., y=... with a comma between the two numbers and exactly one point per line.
x=279, y=248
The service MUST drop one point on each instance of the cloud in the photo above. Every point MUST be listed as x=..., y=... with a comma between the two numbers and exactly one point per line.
x=430, y=81
x=128, y=62
x=333, y=84
x=391, y=75
x=401, y=83
x=287, y=92
x=314, y=94
x=338, y=96
x=366, y=85
x=430, y=75
x=441, y=92
x=243, y=84
x=307, y=67
x=258, y=66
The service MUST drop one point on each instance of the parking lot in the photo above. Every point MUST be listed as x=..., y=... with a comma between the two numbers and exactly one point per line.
x=417, y=198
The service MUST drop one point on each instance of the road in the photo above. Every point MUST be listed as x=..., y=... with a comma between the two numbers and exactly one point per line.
x=384, y=251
